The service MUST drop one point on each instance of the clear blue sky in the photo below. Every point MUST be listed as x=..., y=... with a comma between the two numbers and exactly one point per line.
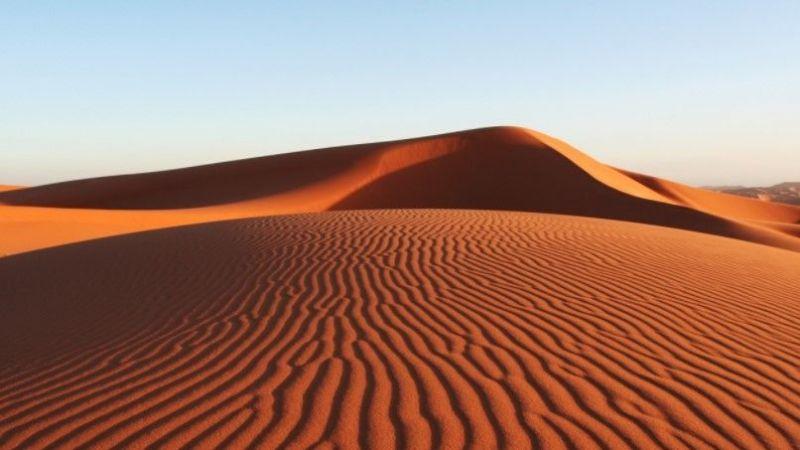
x=700, y=92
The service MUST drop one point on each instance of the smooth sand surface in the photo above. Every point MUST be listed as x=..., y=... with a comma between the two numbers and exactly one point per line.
x=493, y=288
x=409, y=328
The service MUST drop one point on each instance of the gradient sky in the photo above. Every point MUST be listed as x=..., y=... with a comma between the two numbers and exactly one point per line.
x=699, y=92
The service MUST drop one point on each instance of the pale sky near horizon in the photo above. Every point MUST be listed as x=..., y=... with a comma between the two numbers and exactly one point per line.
x=697, y=92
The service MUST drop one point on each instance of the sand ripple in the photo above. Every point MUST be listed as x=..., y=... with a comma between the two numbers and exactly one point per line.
x=406, y=328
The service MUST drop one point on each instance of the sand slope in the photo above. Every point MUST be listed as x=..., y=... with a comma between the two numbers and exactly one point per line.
x=493, y=288
x=500, y=168
x=410, y=328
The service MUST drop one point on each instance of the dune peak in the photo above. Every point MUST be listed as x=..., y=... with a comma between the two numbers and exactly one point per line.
x=493, y=168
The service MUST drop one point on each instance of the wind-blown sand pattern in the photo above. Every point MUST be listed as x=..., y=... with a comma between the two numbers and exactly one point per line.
x=390, y=327
x=403, y=328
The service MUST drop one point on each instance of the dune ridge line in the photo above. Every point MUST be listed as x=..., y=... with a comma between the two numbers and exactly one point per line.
x=501, y=168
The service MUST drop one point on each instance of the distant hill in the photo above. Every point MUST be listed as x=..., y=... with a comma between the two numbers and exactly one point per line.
x=782, y=193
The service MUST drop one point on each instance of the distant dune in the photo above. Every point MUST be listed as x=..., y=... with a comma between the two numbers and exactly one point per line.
x=492, y=288
x=788, y=192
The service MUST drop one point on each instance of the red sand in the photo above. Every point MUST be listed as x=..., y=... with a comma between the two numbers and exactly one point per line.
x=389, y=327
x=500, y=168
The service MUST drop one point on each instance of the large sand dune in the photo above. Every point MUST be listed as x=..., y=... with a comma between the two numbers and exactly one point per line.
x=410, y=328
x=501, y=168
x=494, y=288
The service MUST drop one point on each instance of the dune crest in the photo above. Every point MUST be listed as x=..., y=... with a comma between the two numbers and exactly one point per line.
x=499, y=168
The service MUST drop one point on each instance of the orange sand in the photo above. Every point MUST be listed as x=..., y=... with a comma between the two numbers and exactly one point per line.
x=500, y=168
x=467, y=325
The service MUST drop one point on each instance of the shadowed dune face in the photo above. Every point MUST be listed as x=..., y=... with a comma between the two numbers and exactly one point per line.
x=412, y=328
x=521, y=178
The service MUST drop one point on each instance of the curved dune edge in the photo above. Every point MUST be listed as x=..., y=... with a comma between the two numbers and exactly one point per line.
x=503, y=168
x=408, y=328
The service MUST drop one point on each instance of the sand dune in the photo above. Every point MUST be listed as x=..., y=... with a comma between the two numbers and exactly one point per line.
x=501, y=168
x=411, y=328
x=721, y=203
x=492, y=288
